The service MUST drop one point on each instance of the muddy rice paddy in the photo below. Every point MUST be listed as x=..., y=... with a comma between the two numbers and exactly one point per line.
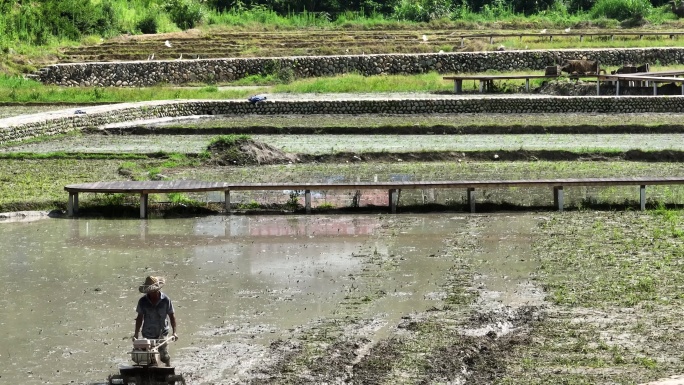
x=517, y=294
x=333, y=144
x=576, y=298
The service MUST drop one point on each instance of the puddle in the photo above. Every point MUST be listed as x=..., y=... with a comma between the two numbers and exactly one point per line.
x=504, y=265
x=69, y=287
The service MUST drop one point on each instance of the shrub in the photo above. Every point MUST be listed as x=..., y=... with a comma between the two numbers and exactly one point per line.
x=185, y=14
x=148, y=24
x=422, y=10
x=281, y=73
x=73, y=18
x=621, y=9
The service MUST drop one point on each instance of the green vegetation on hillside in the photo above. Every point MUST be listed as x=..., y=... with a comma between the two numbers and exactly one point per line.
x=31, y=31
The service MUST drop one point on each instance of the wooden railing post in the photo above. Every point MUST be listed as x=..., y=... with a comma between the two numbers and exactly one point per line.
x=143, y=205
x=558, y=197
x=642, y=197
x=307, y=201
x=471, y=199
x=393, y=200
x=72, y=204
x=227, y=201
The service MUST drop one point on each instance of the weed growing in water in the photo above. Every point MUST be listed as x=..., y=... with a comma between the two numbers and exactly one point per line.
x=293, y=201
x=182, y=199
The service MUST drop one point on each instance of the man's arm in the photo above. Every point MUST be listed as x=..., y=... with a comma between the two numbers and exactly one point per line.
x=172, y=318
x=138, y=324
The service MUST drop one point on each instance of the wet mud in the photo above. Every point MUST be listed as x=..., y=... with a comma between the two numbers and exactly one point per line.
x=397, y=129
x=458, y=330
x=361, y=299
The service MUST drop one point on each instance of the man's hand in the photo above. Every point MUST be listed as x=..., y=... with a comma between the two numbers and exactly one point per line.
x=175, y=336
x=135, y=337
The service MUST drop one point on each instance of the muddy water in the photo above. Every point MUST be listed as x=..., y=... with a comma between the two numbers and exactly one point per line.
x=68, y=288
x=504, y=262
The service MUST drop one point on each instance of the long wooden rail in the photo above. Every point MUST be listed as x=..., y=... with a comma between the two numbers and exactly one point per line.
x=581, y=35
x=144, y=188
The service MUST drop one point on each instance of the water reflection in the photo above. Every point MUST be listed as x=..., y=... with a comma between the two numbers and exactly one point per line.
x=68, y=287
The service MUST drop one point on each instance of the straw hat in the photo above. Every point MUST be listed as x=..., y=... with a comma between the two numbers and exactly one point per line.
x=151, y=284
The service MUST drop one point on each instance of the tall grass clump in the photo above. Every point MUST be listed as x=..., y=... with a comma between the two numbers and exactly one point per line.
x=228, y=140
x=148, y=23
x=185, y=14
x=621, y=9
x=265, y=17
x=423, y=10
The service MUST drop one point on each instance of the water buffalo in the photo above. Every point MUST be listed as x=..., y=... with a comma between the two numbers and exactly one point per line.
x=581, y=67
x=631, y=69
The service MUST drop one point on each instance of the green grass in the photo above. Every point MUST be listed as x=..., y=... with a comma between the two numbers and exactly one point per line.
x=29, y=39
x=613, y=280
x=228, y=140
x=74, y=155
x=15, y=89
x=360, y=83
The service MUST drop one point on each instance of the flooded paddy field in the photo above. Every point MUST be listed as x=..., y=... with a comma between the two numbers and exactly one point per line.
x=332, y=144
x=239, y=285
x=422, y=123
x=529, y=298
x=502, y=297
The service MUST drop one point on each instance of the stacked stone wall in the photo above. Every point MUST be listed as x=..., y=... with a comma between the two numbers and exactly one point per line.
x=59, y=123
x=148, y=73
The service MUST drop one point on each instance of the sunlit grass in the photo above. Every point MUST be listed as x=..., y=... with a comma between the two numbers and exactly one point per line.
x=358, y=83
x=16, y=89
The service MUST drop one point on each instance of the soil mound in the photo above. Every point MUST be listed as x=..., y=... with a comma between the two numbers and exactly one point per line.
x=567, y=88
x=235, y=150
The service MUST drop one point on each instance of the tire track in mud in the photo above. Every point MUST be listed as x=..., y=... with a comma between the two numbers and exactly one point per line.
x=502, y=310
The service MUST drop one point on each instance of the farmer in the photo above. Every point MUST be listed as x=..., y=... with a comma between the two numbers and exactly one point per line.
x=153, y=309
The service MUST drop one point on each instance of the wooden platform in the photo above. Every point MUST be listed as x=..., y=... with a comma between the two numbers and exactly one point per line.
x=486, y=81
x=642, y=78
x=143, y=188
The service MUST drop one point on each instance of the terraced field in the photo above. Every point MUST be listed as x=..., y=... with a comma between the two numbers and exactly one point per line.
x=594, y=295
x=216, y=43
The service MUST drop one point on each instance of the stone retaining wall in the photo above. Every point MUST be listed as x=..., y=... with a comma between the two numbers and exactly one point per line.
x=57, y=123
x=147, y=73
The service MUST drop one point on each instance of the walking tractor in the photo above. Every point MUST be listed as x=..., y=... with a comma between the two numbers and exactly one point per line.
x=148, y=368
